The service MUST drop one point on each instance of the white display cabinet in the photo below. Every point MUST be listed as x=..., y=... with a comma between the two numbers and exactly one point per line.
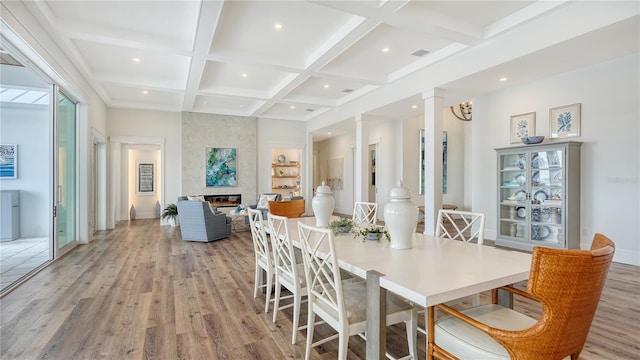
x=539, y=196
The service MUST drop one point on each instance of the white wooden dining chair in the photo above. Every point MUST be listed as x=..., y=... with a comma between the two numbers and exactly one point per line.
x=365, y=212
x=464, y=226
x=461, y=225
x=289, y=271
x=342, y=305
x=264, y=261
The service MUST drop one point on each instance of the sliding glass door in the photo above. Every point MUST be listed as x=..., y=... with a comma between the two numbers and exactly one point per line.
x=65, y=229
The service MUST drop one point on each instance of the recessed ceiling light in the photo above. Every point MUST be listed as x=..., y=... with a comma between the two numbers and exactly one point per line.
x=414, y=106
x=329, y=133
x=136, y=60
x=503, y=79
x=385, y=49
x=145, y=92
x=326, y=86
x=241, y=105
x=244, y=75
x=278, y=26
x=292, y=107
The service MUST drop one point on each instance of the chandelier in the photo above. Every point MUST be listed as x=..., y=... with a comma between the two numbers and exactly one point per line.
x=465, y=111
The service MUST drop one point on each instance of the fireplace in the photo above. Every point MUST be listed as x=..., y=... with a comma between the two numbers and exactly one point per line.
x=225, y=200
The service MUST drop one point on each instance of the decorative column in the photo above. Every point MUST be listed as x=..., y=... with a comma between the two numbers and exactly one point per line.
x=433, y=105
x=361, y=160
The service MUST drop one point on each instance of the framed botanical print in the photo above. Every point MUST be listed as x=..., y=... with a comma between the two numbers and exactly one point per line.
x=522, y=125
x=564, y=121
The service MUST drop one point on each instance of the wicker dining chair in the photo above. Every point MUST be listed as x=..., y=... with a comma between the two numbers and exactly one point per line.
x=568, y=285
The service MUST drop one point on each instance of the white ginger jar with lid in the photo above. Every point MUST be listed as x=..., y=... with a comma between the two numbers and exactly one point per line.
x=401, y=217
x=323, y=204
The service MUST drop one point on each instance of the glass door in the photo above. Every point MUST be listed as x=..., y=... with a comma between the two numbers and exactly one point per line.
x=65, y=179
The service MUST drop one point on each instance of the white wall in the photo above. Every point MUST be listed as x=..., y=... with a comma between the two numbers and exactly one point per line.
x=28, y=127
x=201, y=131
x=455, y=157
x=275, y=134
x=144, y=203
x=141, y=124
x=610, y=165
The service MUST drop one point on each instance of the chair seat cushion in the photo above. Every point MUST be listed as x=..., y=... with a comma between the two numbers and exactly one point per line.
x=355, y=299
x=467, y=342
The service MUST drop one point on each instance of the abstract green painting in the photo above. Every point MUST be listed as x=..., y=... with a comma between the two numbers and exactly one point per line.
x=221, y=167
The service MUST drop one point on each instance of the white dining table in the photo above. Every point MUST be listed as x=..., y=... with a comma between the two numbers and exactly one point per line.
x=433, y=271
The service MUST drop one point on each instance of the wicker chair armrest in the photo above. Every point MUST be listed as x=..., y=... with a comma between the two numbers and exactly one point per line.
x=513, y=290
x=462, y=317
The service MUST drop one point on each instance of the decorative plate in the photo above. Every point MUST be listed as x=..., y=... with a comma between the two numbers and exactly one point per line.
x=557, y=178
x=541, y=195
x=538, y=162
x=521, y=212
x=540, y=232
x=520, y=162
x=520, y=179
x=540, y=214
x=519, y=196
x=554, y=159
x=556, y=194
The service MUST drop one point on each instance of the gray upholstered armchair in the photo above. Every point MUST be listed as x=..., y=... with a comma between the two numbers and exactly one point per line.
x=199, y=223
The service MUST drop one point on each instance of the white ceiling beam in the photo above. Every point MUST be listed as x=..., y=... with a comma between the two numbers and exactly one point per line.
x=207, y=25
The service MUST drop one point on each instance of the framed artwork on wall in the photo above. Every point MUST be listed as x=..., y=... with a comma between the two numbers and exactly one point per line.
x=146, y=179
x=421, y=168
x=564, y=121
x=522, y=125
x=8, y=161
x=221, y=168
x=335, y=173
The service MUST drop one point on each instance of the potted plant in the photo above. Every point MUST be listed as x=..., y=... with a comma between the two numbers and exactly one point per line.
x=341, y=226
x=373, y=233
x=170, y=214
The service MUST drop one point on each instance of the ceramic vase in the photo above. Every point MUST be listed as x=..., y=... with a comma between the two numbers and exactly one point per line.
x=323, y=204
x=400, y=217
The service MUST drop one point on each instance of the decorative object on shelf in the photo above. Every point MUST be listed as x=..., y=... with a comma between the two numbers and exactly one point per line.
x=512, y=213
x=341, y=226
x=170, y=214
x=564, y=121
x=530, y=140
x=373, y=233
x=221, y=167
x=281, y=172
x=401, y=217
x=522, y=126
x=465, y=111
x=282, y=159
x=323, y=204
x=513, y=230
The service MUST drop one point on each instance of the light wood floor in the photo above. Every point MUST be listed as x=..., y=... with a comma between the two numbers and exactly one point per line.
x=138, y=291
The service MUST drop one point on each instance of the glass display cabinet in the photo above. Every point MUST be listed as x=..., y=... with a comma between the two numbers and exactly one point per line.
x=539, y=196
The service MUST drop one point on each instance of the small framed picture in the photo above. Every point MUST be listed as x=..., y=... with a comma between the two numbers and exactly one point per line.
x=522, y=125
x=564, y=121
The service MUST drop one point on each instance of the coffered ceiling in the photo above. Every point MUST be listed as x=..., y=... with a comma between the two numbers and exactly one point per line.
x=273, y=59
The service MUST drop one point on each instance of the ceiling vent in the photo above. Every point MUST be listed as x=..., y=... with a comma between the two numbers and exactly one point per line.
x=310, y=110
x=347, y=90
x=420, y=53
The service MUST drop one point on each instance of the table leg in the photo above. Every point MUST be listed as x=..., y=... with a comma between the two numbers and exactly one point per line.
x=505, y=298
x=376, y=317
